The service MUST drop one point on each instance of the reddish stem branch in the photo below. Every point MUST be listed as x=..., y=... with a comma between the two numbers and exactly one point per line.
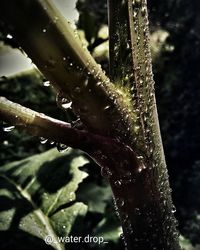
x=38, y=124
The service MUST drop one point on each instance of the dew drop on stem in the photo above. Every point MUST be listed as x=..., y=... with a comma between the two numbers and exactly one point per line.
x=120, y=202
x=46, y=83
x=62, y=147
x=106, y=172
x=66, y=105
x=99, y=83
x=118, y=183
x=63, y=102
x=137, y=211
x=9, y=36
x=173, y=209
x=106, y=107
x=77, y=90
x=43, y=140
x=143, y=11
x=8, y=129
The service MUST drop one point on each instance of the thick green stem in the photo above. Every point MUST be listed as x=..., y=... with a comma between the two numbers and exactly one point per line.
x=147, y=212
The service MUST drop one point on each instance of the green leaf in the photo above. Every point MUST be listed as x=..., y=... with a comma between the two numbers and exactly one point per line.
x=186, y=245
x=109, y=229
x=37, y=196
x=95, y=196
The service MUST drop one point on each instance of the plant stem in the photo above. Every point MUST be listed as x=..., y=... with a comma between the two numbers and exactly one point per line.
x=147, y=214
x=38, y=124
x=56, y=49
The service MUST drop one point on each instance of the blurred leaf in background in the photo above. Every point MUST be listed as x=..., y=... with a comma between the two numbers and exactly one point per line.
x=38, y=198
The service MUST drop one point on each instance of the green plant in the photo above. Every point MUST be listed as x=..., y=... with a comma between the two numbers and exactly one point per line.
x=119, y=129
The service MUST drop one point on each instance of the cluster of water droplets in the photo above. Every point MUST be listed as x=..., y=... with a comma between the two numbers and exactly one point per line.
x=60, y=146
x=124, y=241
x=142, y=88
x=144, y=93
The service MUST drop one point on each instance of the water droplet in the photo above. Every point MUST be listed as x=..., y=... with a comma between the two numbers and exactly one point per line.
x=63, y=102
x=8, y=129
x=5, y=143
x=86, y=82
x=46, y=83
x=64, y=226
x=173, y=209
x=119, y=202
x=137, y=211
x=118, y=183
x=143, y=10
x=66, y=105
x=105, y=172
x=71, y=196
x=43, y=140
x=106, y=107
x=55, y=19
x=77, y=90
x=98, y=83
x=140, y=157
x=9, y=36
x=140, y=169
x=136, y=128
x=61, y=147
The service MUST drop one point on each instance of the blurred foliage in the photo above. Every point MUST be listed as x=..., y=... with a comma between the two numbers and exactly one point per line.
x=176, y=42
x=92, y=15
x=43, y=195
x=36, y=203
